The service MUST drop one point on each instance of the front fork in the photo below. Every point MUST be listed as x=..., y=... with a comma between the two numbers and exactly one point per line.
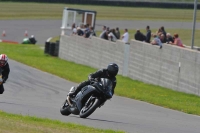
x=69, y=101
x=88, y=101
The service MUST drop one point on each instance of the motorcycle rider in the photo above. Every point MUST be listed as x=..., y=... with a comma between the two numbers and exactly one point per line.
x=32, y=39
x=110, y=72
x=4, y=66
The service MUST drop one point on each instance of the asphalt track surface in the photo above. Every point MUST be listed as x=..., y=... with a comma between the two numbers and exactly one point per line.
x=43, y=29
x=36, y=93
x=32, y=92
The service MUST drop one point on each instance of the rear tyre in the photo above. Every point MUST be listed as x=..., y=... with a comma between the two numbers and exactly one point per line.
x=64, y=109
x=89, y=108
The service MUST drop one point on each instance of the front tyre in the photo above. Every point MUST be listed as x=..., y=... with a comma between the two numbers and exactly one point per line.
x=64, y=109
x=91, y=106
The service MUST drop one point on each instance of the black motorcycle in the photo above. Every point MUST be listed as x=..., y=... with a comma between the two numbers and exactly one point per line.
x=88, y=99
x=30, y=40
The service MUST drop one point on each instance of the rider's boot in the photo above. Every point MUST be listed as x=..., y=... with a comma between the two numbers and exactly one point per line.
x=74, y=90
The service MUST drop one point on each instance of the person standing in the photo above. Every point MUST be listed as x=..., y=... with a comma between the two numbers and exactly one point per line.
x=102, y=35
x=125, y=36
x=148, y=34
x=117, y=33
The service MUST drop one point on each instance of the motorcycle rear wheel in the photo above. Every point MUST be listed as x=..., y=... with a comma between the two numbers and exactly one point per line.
x=90, y=108
x=64, y=109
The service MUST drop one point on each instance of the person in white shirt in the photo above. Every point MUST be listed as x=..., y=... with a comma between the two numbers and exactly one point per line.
x=125, y=36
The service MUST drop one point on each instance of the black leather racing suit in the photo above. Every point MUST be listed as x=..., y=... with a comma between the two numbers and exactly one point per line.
x=102, y=73
x=5, y=73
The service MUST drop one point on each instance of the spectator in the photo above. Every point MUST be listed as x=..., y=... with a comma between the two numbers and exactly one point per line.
x=177, y=41
x=92, y=32
x=125, y=36
x=89, y=33
x=156, y=41
x=117, y=33
x=83, y=28
x=111, y=35
x=103, y=33
x=163, y=32
x=159, y=31
x=114, y=32
x=162, y=38
x=79, y=31
x=139, y=36
x=169, y=38
x=148, y=34
x=107, y=29
x=74, y=28
x=88, y=26
x=86, y=33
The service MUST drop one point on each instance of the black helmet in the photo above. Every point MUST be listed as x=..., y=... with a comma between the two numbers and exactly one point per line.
x=113, y=69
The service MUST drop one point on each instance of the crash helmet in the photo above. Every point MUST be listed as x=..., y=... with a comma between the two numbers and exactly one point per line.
x=112, y=69
x=3, y=60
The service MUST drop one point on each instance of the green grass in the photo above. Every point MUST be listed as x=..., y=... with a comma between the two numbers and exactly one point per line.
x=14, y=10
x=34, y=56
x=11, y=123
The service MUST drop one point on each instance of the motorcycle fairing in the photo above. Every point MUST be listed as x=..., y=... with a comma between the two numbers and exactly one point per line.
x=85, y=92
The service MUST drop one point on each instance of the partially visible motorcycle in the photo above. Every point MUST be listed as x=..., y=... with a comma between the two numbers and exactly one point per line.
x=30, y=40
x=88, y=99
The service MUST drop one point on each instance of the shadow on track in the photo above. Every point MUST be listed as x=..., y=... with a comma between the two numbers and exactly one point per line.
x=101, y=120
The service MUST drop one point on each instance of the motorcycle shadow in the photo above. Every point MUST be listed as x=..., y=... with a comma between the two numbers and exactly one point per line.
x=103, y=120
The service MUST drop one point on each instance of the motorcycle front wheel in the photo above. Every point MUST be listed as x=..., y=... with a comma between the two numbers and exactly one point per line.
x=64, y=109
x=89, y=107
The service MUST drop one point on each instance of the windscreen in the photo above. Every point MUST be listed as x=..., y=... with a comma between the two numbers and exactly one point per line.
x=106, y=83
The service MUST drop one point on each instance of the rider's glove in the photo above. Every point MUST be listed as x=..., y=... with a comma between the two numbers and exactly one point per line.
x=90, y=78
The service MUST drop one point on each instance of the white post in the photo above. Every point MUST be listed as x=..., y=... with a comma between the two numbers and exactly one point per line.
x=194, y=23
x=64, y=21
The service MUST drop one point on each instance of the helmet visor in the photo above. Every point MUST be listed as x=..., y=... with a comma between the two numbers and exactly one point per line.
x=2, y=62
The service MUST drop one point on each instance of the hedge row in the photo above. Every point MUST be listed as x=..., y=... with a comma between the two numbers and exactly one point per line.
x=117, y=3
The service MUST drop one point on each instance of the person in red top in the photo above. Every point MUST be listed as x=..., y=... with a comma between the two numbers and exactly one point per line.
x=177, y=41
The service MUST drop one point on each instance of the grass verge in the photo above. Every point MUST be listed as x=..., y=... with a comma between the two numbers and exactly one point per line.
x=23, y=10
x=34, y=56
x=11, y=123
